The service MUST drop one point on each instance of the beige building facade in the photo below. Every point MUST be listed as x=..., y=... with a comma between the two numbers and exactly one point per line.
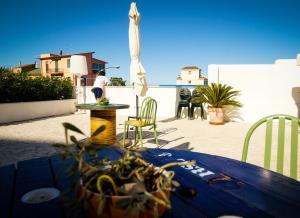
x=55, y=65
x=191, y=75
x=24, y=68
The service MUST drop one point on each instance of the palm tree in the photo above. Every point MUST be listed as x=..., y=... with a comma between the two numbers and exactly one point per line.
x=218, y=95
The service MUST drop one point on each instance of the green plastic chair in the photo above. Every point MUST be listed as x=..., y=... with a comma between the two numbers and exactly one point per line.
x=185, y=98
x=138, y=116
x=147, y=117
x=197, y=100
x=281, y=136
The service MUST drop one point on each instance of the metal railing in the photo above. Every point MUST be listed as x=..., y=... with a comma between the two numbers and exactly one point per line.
x=55, y=71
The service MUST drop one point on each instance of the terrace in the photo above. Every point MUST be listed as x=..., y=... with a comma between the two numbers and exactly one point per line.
x=214, y=151
x=33, y=139
x=190, y=163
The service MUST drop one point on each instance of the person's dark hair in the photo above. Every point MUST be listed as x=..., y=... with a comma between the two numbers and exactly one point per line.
x=101, y=72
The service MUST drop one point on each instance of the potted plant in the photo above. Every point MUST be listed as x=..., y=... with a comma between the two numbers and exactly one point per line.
x=217, y=96
x=124, y=187
x=103, y=101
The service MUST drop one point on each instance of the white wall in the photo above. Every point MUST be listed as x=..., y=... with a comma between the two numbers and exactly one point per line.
x=190, y=76
x=166, y=97
x=265, y=89
x=12, y=112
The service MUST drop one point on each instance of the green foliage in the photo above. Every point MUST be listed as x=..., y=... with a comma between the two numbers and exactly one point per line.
x=218, y=95
x=35, y=72
x=71, y=127
x=117, y=81
x=21, y=88
x=128, y=176
x=98, y=131
x=4, y=71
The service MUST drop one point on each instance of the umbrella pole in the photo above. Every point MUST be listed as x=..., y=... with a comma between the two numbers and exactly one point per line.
x=137, y=105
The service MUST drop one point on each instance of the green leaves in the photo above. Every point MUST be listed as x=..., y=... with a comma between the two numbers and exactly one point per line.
x=98, y=131
x=117, y=81
x=71, y=127
x=218, y=95
x=21, y=87
x=74, y=140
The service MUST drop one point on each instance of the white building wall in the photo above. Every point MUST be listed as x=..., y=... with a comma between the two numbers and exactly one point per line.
x=265, y=89
x=166, y=97
x=190, y=77
x=199, y=81
x=190, y=74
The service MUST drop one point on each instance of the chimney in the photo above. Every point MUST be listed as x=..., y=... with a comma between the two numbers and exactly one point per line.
x=298, y=60
x=20, y=63
x=61, y=52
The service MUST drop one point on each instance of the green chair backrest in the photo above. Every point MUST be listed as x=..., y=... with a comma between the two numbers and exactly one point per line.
x=185, y=94
x=148, y=111
x=281, y=138
x=197, y=96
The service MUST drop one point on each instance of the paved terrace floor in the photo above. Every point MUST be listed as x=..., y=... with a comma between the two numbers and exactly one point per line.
x=32, y=139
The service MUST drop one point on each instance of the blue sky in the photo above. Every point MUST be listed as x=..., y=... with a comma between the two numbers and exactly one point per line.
x=173, y=33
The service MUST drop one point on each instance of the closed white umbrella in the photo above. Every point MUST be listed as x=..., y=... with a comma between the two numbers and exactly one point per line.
x=79, y=68
x=137, y=71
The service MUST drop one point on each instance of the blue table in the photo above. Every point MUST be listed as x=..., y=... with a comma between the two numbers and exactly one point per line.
x=213, y=187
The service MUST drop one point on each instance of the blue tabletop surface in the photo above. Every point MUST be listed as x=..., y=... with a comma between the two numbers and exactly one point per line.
x=220, y=186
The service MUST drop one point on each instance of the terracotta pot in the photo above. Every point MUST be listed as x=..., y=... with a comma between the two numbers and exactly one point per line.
x=113, y=211
x=216, y=116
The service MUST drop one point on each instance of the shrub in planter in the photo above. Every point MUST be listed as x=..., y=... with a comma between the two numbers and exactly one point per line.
x=22, y=88
x=217, y=96
x=124, y=187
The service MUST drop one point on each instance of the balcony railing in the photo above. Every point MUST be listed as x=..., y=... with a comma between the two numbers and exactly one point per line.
x=55, y=71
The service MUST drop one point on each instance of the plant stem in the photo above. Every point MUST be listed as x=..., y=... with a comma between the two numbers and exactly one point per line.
x=159, y=201
x=174, y=164
x=142, y=161
x=108, y=178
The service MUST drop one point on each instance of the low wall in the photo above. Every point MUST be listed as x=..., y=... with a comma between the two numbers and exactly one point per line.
x=12, y=112
x=166, y=97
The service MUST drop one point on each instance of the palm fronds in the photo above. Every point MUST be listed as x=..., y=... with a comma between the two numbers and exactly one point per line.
x=219, y=95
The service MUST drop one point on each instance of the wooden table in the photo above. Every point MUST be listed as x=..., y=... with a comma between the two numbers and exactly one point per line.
x=221, y=186
x=103, y=115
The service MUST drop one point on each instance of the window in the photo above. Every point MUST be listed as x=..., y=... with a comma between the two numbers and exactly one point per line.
x=101, y=66
x=96, y=67
x=68, y=63
x=47, y=67
x=56, y=66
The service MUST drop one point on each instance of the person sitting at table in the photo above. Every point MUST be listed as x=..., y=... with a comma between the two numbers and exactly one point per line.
x=100, y=82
